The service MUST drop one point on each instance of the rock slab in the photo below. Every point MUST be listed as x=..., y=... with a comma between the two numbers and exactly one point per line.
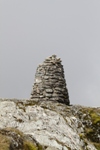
x=53, y=125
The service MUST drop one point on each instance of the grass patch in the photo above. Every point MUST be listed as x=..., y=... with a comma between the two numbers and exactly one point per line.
x=10, y=135
x=94, y=116
x=29, y=146
x=4, y=142
x=97, y=145
x=92, y=126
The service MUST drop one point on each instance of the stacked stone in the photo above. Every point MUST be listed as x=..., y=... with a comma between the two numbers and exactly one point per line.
x=49, y=82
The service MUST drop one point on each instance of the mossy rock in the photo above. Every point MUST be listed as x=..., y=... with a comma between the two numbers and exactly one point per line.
x=13, y=139
x=92, y=126
x=29, y=146
x=97, y=145
x=95, y=117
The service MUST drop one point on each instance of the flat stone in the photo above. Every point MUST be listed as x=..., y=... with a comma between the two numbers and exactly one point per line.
x=54, y=78
x=54, y=95
x=41, y=96
x=45, y=77
x=49, y=90
x=48, y=95
x=38, y=80
x=46, y=86
x=53, y=81
x=48, y=83
x=58, y=89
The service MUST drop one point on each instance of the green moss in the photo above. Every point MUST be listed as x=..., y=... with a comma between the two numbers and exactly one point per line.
x=40, y=147
x=31, y=103
x=92, y=126
x=18, y=132
x=89, y=131
x=82, y=136
x=68, y=148
x=97, y=145
x=29, y=146
x=95, y=117
x=4, y=142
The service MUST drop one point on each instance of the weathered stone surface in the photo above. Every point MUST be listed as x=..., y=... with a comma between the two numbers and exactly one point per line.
x=13, y=139
x=51, y=124
x=52, y=148
x=50, y=81
x=49, y=90
x=48, y=95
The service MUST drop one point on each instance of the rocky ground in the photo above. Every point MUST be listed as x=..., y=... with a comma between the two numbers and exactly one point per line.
x=48, y=125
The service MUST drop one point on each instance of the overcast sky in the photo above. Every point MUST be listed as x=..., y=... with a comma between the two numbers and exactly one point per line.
x=31, y=30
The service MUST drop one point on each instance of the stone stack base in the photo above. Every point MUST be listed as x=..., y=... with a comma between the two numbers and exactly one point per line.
x=49, y=82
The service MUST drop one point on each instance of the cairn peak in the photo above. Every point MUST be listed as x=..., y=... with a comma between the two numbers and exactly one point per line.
x=50, y=83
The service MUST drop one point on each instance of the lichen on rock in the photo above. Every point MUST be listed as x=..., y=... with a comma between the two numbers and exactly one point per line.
x=50, y=124
x=13, y=139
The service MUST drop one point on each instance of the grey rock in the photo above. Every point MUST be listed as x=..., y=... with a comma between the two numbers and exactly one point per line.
x=49, y=77
x=48, y=95
x=51, y=124
x=45, y=77
x=49, y=90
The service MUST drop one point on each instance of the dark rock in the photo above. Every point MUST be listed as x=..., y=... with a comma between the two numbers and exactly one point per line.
x=50, y=81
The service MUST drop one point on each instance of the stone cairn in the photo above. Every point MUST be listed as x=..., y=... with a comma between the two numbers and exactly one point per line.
x=49, y=82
